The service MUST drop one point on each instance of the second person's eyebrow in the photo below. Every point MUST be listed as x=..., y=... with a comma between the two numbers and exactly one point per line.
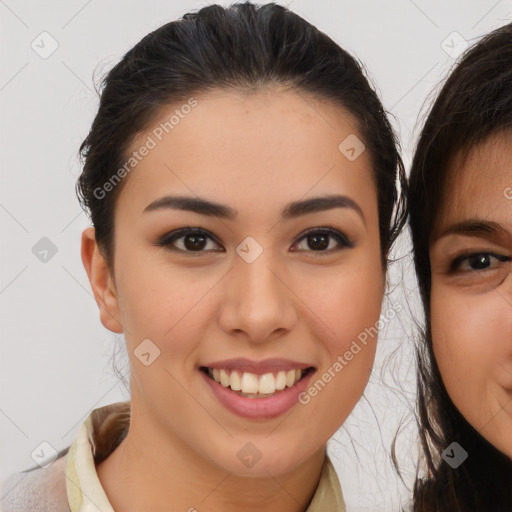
x=478, y=228
x=290, y=211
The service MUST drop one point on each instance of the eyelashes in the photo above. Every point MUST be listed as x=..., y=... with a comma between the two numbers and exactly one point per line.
x=326, y=233
x=194, y=235
x=477, y=262
x=197, y=238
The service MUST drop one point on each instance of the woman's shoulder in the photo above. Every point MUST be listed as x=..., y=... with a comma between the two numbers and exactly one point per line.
x=45, y=489
x=37, y=490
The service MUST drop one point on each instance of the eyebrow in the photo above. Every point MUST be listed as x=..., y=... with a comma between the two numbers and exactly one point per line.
x=290, y=211
x=477, y=228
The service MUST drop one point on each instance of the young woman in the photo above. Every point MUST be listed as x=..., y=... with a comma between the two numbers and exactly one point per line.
x=243, y=183
x=461, y=221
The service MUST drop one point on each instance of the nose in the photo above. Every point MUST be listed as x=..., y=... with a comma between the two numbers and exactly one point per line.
x=258, y=304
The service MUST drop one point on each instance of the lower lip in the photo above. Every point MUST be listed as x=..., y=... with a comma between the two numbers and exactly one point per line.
x=254, y=408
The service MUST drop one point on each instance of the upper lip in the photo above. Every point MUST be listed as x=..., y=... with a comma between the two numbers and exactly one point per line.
x=258, y=367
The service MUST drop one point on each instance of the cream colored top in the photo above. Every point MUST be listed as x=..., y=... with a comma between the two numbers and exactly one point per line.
x=71, y=483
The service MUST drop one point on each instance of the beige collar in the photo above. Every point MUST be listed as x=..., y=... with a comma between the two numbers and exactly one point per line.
x=84, y=490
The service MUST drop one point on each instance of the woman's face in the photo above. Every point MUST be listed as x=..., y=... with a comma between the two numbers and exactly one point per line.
x=472, y=289
x=251, y=293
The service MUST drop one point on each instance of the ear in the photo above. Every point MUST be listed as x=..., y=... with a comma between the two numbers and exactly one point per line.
x=101, y=281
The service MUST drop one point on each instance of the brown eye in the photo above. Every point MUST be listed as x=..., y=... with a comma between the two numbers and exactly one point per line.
x=319, y=240
x=478, y=261
x=191, y=241
x=194, y=241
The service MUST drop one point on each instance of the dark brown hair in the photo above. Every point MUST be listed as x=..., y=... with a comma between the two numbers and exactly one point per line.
x=242, y=46
x=474, y=104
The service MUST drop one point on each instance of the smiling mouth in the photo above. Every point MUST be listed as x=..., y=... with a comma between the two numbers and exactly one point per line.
x=251, y=385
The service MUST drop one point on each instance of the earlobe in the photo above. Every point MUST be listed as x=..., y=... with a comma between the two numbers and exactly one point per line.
x=101, y=281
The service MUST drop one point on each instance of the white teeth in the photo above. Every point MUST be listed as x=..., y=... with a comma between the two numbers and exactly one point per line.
x=281, y=380
x=250, y=383
x=235, y=382
x=224, y=378
x=267, y=384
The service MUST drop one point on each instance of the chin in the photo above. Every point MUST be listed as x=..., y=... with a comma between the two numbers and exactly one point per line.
x=249, y=461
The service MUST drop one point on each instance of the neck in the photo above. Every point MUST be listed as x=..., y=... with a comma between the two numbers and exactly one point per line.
x=151, y=470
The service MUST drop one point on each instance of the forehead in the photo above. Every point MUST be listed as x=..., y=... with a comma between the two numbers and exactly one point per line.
x=243, y=147
x=477, y=184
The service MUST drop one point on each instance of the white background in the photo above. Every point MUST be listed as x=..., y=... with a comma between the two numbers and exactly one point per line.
x=55, y=354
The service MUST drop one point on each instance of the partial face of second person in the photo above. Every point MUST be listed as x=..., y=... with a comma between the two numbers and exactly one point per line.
x=471, y=300
x=200, y=302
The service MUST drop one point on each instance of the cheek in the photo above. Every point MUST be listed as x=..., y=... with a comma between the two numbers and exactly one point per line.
x=342, y=301
x=161, y=303
x=358, y=304
x=457, y=341
x=352, y=309
x=470, y=335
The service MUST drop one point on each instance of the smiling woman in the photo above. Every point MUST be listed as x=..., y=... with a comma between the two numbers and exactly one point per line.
x=461, y=227
x=225, y=255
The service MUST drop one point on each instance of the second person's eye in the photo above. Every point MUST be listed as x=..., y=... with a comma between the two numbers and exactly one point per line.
x=478, y=261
